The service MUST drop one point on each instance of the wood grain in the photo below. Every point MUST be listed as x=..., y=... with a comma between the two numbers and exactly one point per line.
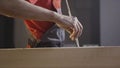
x=90, y=57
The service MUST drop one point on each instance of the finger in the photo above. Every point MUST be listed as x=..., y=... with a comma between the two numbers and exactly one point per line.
x=75, y=30
x=72, y=36
x=80, y=28
x=69, y=30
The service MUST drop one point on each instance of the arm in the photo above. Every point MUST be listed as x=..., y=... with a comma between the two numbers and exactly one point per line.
x=23, y=9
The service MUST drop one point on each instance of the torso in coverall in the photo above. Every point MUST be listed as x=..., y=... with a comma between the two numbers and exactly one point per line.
x=49, y=34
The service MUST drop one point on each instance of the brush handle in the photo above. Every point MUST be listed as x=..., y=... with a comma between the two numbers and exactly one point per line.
x=70, y=14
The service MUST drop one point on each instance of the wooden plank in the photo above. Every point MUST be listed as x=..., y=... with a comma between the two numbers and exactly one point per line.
x=90, y=57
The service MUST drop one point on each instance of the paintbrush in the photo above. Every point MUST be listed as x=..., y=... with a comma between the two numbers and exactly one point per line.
x=69, y=12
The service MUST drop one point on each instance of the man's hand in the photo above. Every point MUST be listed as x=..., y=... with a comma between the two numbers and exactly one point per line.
x=71, y=25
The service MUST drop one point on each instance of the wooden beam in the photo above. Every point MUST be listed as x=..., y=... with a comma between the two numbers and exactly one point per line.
x=90, y=57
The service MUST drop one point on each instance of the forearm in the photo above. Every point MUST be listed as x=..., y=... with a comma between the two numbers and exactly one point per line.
x=25, y=10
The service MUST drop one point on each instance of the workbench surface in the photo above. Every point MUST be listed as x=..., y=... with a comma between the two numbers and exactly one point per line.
x=66, y=57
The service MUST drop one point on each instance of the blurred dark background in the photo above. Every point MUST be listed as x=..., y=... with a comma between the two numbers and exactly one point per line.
x=6, y=32
x=88, y=13
x=100, y=19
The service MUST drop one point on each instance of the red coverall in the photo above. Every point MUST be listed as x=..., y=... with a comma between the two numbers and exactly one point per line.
x=38, y=28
